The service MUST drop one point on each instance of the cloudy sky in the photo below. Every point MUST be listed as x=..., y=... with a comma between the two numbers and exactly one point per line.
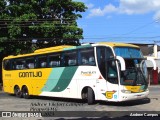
x=121, y=21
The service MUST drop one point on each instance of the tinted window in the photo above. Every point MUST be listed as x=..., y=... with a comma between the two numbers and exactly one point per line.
x=19, y=64
x=128, y=52
x=107, y=66
x=70, y=58
x=87, y=56
x=42, y=62
x=7, y=65
x=54, y=60
x=30, y=63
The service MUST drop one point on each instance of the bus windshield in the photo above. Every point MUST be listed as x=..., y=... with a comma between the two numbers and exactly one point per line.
x=128, y=52
x=136, y=70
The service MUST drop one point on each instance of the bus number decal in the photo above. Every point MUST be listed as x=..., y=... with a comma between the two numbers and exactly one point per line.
x=30, y=74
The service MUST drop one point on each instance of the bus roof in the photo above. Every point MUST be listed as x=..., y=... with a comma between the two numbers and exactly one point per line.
x=53, y=49
x=114, y=44
x=69, y=47
x=41, y=51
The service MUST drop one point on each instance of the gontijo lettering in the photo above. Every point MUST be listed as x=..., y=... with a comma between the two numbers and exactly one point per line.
x=30, y=74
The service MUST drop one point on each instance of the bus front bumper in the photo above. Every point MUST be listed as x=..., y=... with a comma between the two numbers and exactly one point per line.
x=133, y=96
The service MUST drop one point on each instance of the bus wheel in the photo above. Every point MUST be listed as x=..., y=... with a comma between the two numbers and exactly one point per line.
x=17, y=92
x=25, y=92
x=90, y=96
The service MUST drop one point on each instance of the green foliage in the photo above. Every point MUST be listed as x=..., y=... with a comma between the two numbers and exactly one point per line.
x=48, y=21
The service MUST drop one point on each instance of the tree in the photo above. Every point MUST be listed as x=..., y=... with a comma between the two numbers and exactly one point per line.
x=52, y=22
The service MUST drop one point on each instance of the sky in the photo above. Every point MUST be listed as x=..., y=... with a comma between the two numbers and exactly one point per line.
x=128, y=21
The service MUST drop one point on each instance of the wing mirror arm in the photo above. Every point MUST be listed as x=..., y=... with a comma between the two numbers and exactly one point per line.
x=154, y=63
x=122, y=63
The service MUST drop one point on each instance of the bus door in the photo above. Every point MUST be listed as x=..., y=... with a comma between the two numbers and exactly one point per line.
x=108, y=69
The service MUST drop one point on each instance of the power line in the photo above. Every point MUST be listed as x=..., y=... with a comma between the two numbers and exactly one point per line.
x=37, y=26
x=37, y=19
x=54, y=38
x=141, y=27
x=33, y=24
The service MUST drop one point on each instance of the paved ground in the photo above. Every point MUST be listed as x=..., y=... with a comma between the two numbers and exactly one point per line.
x=36, y=104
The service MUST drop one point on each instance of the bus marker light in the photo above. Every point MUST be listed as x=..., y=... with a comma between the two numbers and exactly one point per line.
x=100, y=77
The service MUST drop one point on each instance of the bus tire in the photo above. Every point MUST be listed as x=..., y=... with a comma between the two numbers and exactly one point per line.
x=25, y=92
x=17, y=92
x=90, y=96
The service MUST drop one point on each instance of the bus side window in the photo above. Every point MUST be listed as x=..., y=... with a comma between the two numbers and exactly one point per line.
x=70, y=58
x=30, y=62
x=112, y=70
x=54, y=60
x=84, y=61
x=91, y=60
x=87, y=56
x=19, y=64
x=7, y=65
x=42, y=62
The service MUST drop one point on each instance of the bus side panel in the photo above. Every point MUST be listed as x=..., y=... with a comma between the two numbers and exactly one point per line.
x=34, y=79
x=19, y=79
x=68, y=82
x=39, y=82
x=7, y=81
x=101, y=88
x=87, y=77
x=51, y=82
x=61, y=83
x=70, y=90
x=7, y=86
x=90, y=76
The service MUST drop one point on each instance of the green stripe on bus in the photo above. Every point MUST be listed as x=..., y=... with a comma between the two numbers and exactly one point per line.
x=53, y=79
x=65, y=79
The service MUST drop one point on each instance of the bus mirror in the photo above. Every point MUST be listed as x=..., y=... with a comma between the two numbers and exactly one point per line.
x=154, y=63
x=122, y=63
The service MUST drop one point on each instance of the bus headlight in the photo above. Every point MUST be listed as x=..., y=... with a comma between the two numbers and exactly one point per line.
x=125, y=91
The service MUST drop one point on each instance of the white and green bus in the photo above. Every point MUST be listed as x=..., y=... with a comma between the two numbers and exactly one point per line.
x=102, y=71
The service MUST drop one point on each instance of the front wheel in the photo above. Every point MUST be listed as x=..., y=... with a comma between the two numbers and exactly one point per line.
x=90, y=96
x=25, y=92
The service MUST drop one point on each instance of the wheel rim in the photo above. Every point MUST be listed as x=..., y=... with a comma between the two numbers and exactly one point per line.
x=25, y=92
x=17, y=92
